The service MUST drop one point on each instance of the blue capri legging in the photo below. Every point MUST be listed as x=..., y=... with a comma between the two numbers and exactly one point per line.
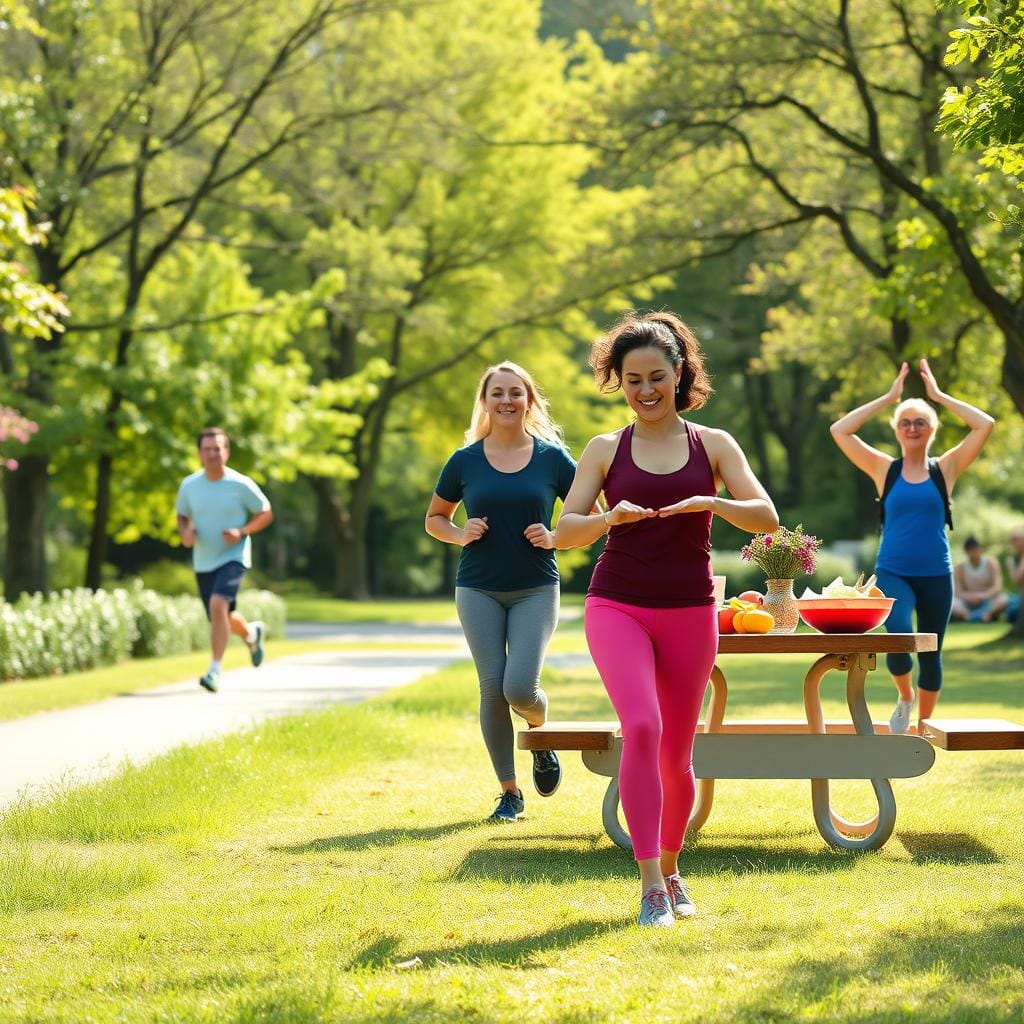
x=932, y=598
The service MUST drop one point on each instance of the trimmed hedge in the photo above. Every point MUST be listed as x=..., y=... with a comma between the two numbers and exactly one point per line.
x=76, y=630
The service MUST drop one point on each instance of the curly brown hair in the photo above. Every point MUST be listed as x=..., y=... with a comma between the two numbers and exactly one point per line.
x=664, y=331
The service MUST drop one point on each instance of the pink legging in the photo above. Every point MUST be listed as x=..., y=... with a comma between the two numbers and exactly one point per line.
x=655, y=664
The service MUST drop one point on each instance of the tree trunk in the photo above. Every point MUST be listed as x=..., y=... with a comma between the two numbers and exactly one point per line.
x=100, y=523
x=26, y=491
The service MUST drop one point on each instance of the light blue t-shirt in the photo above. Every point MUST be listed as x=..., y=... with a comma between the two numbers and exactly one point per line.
x=216, y=505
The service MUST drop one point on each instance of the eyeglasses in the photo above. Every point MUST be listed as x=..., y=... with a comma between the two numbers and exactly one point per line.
x=916, y=424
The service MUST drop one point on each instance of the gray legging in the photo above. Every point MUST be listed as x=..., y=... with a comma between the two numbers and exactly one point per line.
x=508, y=632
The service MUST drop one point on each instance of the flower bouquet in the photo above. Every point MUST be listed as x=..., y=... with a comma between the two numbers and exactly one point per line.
x=783, y=554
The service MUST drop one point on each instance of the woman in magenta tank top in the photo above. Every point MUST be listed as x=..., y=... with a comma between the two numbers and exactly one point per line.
x=651, y=621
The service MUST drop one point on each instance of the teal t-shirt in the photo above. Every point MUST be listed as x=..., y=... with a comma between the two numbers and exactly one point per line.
x=216, y=505
x=503, y=559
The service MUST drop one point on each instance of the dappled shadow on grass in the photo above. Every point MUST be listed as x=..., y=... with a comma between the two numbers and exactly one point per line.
x=381, y=837
x=383, y=952
x=544, y=858
x=947, y=848
x=557, y=858
x=982, y=946
x=709, y=859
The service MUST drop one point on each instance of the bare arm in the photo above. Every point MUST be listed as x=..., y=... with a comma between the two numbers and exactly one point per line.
x=844, y=432
x=438, y=523
x=959, y=457
x=260, y=521
x=582, y=520
x=186, y=531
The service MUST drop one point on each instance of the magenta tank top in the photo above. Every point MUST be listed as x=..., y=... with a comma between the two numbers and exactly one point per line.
x=657, y=563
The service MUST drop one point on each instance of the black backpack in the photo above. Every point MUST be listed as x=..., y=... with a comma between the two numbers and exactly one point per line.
x=895, y=468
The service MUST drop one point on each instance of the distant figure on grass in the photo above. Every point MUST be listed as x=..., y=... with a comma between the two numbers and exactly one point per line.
x=977, y=585
x=651, y=621
x=218, y=511
x=913, y=564
x=508, y=475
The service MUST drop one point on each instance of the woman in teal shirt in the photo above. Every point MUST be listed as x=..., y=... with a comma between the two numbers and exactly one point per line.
x=508, y=476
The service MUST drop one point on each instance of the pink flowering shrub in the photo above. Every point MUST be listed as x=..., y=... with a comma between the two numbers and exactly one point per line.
x=13, y=427
x=783, y=554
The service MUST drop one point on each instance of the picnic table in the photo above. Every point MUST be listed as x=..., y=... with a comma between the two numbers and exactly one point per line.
x=810, y=748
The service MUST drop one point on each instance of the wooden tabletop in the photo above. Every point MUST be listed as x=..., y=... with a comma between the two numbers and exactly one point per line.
x=825, y=643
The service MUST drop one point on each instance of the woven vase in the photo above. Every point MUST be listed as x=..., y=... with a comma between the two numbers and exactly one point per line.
x=781, y=602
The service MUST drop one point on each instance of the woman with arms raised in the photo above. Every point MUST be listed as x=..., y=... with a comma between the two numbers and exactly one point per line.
x=914, y=564
x=651, y=621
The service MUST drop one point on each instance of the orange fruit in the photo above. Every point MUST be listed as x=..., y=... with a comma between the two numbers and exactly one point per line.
x=757, y=621
x=737, y=620
x=875, y=592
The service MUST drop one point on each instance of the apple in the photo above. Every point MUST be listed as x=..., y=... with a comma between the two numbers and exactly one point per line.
x=725, y=617
x=753, y=596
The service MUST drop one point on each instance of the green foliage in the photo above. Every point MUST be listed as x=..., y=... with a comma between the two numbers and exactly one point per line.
x=988, y=114
x=74, y=630
x=65, y=632
x=170, y=578
x=26, y=307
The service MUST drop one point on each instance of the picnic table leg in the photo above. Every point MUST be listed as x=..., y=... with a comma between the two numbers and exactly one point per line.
x=610, y=817
x=716, y=715
x=705, y=788
x=836, y=830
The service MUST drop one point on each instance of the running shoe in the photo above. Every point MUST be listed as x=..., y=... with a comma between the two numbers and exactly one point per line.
x=209, y=681
x=682, y=905
x=547, y=772
x=256, y=647
x=655, y=909
x=899, y=721
x=509, y=807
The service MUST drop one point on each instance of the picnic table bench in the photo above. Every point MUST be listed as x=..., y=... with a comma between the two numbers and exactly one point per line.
x=809, y=748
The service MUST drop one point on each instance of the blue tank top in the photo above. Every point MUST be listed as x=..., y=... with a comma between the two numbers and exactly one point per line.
x=914, y=541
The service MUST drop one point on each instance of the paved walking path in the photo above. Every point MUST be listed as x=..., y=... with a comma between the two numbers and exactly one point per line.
x=87, y=742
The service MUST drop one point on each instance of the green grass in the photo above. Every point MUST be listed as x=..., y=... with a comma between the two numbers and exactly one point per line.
x=24, y=697
x=321, y=608
x=290, y=874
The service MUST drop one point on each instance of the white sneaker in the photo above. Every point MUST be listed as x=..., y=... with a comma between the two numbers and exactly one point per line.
x=655, y=909
x=899, y=720
x=682, y=905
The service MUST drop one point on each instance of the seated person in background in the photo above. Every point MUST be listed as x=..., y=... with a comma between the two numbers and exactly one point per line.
x=978, y=585
x=1015, y=570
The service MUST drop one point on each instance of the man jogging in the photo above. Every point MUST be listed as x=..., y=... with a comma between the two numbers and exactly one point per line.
x=218, y=511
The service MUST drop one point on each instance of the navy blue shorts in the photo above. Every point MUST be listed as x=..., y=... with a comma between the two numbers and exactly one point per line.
x=223, y=581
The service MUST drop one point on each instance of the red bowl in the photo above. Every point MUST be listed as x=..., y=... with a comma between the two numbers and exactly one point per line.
x=845, y=614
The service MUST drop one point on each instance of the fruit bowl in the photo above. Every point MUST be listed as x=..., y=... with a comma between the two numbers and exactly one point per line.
x=844, y=614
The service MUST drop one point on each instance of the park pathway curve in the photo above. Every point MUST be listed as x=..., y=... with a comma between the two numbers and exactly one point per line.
x=87, y=742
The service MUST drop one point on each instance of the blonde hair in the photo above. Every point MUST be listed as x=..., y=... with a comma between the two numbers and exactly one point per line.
x=538, y=421
x=914, y=405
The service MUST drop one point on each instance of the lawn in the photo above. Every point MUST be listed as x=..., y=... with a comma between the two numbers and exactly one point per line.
x=334, y=867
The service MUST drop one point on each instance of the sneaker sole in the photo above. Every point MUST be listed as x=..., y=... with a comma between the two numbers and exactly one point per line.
x=207, y=687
